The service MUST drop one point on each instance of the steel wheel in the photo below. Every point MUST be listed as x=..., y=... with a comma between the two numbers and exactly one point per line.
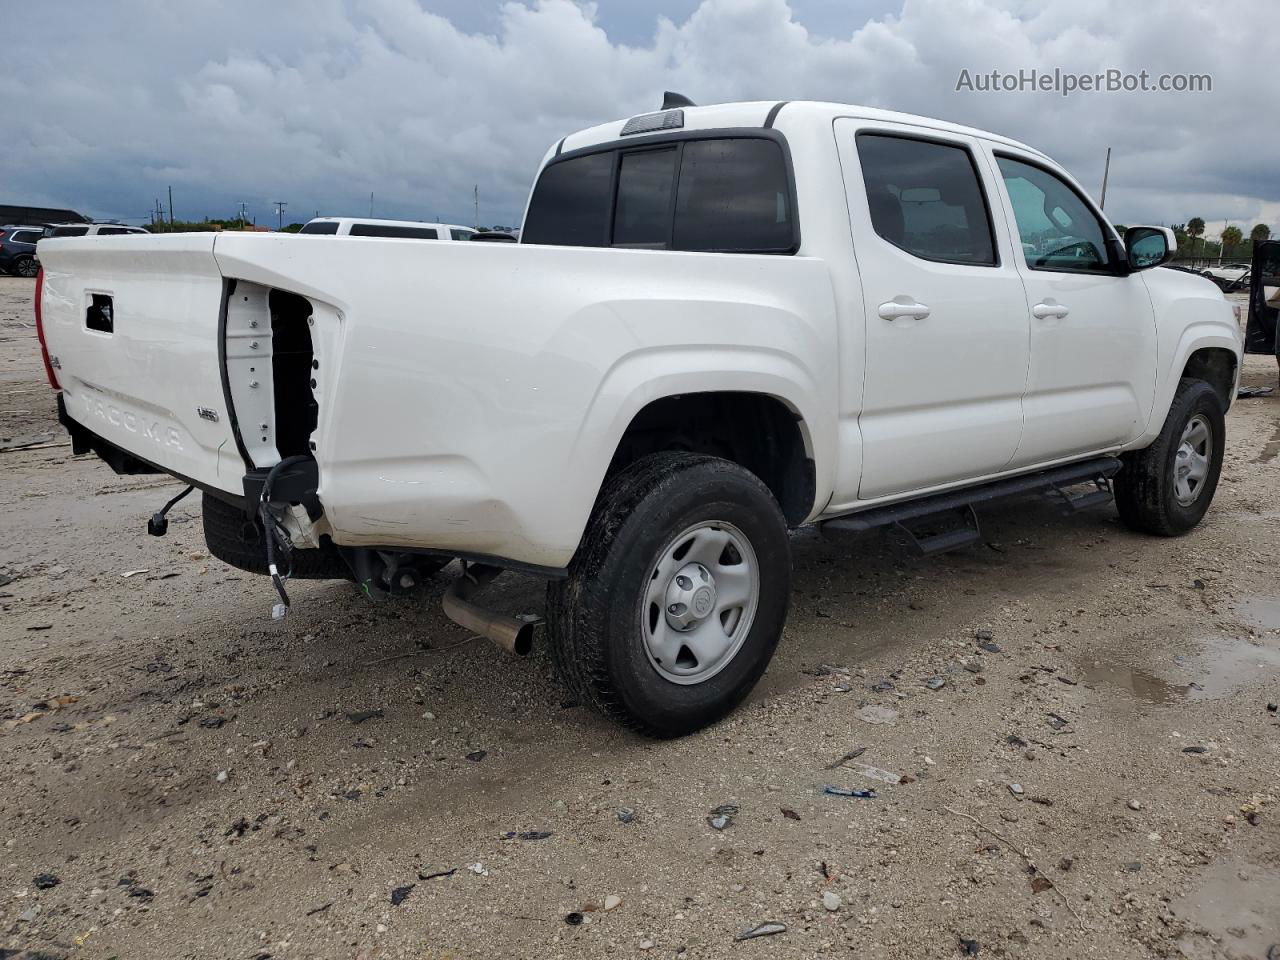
x=1191, y=462
x=700, y=602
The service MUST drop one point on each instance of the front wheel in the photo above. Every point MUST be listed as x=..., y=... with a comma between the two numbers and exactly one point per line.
x=677, y=596
x=1166, y=488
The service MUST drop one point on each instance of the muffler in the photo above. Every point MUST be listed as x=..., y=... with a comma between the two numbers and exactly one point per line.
x=510, y=633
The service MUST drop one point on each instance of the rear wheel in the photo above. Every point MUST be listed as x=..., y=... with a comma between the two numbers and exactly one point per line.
x=26, y=266
x=677, y=597
x=1167, y=488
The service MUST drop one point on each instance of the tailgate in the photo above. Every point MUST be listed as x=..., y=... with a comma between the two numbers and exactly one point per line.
x=132, y=327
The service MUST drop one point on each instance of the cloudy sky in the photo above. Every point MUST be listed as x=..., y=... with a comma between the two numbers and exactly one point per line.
x=321, y=102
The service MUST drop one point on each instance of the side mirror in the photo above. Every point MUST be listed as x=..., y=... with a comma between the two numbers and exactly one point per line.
x=1147, y=247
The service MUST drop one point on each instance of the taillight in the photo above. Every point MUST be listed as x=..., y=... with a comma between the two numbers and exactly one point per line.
x=44, y=350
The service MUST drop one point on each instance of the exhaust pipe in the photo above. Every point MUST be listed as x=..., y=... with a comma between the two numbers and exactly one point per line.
x=510, y=633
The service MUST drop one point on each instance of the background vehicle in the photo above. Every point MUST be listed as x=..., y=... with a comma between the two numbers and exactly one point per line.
x=720, y=322
x=1226, y=272
x=92, y=230
x=38, y=216
x=18, y=250
x=404, y=229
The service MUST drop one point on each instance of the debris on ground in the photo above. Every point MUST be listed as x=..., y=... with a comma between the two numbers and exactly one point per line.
x=1244, y=393
x=400, y=894
x=968, y=947
x=764, y=930
x=45, y=881
x=877, y=714
x=851, y=755
x=875, y=773
x=526, y=835
x=573, y=919
x=936, y=683
x=789, y=813
x=612, y=901
x=475, y=756
x=831, y=901
x=626, y=815
x=833, y=791
x=437, y=874
x=360, y=716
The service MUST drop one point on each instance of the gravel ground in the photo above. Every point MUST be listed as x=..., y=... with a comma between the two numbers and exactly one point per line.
x=1096, y=777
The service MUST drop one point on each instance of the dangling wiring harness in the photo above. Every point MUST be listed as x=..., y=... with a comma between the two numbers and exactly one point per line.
x=279, y=545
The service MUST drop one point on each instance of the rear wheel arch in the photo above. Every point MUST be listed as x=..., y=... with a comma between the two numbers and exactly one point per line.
x=760, y=432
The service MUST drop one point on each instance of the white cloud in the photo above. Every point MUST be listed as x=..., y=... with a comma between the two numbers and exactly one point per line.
x=321, y=103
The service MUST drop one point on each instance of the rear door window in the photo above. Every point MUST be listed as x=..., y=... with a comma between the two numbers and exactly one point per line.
x=112, y=231
x=25, y=236
x=69, y=231
x=456, y=234
x=320, y=227
x=925, y=198
x=385, y=230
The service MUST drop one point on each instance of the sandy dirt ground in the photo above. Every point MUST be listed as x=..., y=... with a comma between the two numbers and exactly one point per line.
x=1098, y=776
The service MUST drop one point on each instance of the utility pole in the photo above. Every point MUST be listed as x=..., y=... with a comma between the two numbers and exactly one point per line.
x=170, y=204
x=243, y=218
x=371, y=204
x=280, y=205
x=1106, y=170
x=476, y=192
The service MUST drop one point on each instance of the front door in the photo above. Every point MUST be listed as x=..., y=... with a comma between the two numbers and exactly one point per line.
x=1091, y=382
x=946, y=320
x=1260, y=335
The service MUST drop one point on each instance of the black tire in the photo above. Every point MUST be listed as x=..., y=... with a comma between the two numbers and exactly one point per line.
x=1145, y=486
x=594, y=616
x=25, y=267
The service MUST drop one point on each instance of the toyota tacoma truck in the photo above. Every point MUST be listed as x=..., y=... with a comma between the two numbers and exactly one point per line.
x=720, y=323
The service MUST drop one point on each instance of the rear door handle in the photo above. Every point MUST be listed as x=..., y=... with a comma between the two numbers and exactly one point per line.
x=894, y=309
x=1049, y=308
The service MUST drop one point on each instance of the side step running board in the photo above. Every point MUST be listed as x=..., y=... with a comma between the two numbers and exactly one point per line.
x=1098, y=472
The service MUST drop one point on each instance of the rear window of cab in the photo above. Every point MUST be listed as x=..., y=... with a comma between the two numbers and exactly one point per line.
x=726, y=194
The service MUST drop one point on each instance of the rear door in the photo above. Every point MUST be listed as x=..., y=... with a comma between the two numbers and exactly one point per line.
x=946, y=322
x=1091, y=382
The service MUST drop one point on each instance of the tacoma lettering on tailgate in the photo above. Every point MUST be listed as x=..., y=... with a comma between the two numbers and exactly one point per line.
x=158, y=433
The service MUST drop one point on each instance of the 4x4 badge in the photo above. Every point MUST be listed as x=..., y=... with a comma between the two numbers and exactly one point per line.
x=207, y=413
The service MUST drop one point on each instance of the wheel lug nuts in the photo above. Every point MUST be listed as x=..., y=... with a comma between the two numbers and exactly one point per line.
x=683, y=582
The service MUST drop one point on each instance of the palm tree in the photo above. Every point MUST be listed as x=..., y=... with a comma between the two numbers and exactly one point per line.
x=1231, y=238
x=1195, y=228
x=1259, y=233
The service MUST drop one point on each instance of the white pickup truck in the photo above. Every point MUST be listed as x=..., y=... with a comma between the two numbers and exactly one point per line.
x=720, y=323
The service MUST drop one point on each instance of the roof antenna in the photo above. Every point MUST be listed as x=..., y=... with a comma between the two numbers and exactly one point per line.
x=672, y=100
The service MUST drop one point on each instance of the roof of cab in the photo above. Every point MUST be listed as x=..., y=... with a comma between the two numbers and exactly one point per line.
x=757, y=114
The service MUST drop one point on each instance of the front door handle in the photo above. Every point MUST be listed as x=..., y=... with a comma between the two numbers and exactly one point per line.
x=894, y=309
x=1049, y=308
